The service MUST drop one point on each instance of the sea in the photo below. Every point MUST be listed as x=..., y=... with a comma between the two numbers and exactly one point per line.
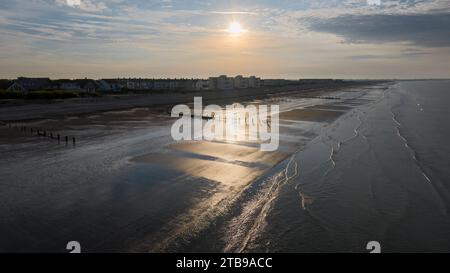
x=380, y=173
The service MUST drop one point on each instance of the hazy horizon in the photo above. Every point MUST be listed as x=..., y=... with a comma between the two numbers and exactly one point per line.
x=206, y=77
x=346, y=39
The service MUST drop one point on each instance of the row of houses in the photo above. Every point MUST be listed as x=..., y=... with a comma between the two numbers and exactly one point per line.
x=155, y=84
x=239, y=82
x=24, y=85
x=222, y=82
x=213, y=83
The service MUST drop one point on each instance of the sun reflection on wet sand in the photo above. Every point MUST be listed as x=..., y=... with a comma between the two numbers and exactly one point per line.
x=232, y=175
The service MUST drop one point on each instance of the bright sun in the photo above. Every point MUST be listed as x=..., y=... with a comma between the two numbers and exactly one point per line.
x=235, y=28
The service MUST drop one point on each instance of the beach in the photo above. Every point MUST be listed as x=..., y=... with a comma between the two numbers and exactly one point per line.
x=127, y=186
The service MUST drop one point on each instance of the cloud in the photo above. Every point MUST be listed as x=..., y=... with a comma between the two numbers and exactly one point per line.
x=141, y=37
x=389, y=56
x=85, y=5
x=426, y=30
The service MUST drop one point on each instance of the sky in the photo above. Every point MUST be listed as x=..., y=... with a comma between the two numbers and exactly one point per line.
x=189, y=38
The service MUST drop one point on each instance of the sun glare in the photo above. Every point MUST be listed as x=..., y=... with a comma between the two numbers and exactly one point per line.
x=235, y=29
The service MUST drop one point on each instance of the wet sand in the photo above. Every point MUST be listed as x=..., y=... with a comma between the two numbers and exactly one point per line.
x=230, y=152
x=329, y=107
x=129, y=187
x=310, y=114
x=225, y=163
x=227, y=174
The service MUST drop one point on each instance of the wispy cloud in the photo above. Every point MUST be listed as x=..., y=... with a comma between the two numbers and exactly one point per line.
x=85, y=5
x=172, y=35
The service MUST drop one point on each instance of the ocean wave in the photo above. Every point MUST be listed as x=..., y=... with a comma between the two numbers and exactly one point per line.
x=243, y=229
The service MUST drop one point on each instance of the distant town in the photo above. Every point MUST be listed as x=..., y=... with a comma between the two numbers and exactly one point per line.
x=24, y=85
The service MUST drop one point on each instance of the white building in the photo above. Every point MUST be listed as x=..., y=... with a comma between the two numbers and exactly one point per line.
x=202, y=85
x=225, y=82
x=239, y=82
x=139, y=84
x=254, y=82
x=70, y=85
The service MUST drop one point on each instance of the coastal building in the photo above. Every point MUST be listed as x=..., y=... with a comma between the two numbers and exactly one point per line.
x=109, y=85
x=161, y=85
x=202, y=85
x=87, y=85
x=174, y=84
x=121, y=82
x=225, y=83
x=69, y=85
x=222, y=82
x=188, y=84
x=33, y=83
x=212, y=83
x=135, y=84
x=16, y=87
x=241, y=82
x=158, y=84
x=254, y=82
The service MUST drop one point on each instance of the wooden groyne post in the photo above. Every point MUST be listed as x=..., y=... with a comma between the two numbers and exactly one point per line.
x=39, y=132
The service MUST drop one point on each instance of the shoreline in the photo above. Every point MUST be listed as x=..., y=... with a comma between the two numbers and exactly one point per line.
x=37, y=110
